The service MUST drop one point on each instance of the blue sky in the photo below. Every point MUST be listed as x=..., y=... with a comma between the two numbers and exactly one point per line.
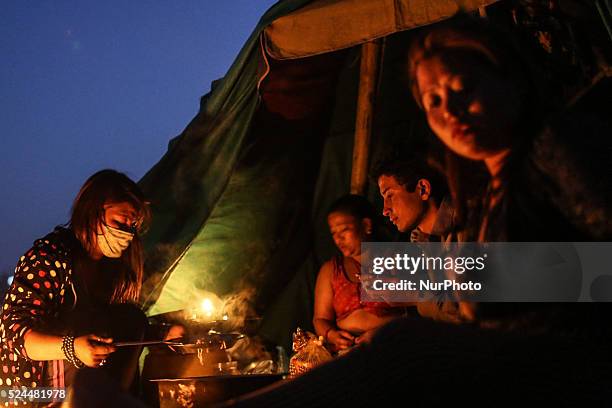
x=86, y=85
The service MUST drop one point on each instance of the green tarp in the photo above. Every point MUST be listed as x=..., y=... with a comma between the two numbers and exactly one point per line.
x=239, y=200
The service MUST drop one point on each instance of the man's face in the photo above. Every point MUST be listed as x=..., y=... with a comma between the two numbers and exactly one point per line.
x=404, y=208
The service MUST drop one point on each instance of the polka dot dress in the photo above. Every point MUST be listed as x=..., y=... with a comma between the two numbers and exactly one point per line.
x=42, y=277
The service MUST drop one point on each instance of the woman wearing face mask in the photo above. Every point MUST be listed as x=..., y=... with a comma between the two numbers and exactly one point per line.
x=73, y=292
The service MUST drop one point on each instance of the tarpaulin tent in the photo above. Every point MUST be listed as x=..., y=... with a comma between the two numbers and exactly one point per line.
x=239, y=199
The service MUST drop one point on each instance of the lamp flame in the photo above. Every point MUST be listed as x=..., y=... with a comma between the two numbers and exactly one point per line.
x=207, y=307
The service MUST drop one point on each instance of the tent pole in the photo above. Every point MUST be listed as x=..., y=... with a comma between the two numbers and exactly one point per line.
x=370, y=55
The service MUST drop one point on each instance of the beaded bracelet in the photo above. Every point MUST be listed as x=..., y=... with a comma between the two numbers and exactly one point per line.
x=68, y=350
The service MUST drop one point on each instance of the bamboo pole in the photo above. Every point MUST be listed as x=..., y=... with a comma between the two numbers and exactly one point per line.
x=370, y=55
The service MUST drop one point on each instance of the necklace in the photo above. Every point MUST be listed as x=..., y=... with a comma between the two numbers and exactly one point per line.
x=352, y=269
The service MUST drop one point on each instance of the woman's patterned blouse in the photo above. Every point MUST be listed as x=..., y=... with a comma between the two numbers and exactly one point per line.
x=42, y=278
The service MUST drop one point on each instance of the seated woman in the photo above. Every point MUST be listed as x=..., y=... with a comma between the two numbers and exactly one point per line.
x=482, y=100
x=73, y=292
x=339, y=315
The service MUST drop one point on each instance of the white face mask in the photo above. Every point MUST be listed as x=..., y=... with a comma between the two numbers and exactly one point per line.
x=112, y=242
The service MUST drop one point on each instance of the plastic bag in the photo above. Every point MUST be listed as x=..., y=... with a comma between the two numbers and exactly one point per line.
x=309, y=352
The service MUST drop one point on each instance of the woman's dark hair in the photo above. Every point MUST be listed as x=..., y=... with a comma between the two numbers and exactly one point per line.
x=355, y=205
x=464, y=36
x=103, y=188
x=407, y=171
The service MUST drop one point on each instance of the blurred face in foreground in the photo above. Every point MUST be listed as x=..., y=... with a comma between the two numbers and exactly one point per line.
x=469, y=106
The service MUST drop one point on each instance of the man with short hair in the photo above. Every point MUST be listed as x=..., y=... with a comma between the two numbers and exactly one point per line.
x=414, y=200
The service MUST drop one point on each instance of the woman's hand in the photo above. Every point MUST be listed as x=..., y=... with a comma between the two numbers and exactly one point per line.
x=340, y=338
x=93, y=350
x=365, y=337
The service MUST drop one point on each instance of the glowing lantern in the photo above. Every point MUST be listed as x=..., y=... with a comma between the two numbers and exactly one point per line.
x=207, y=307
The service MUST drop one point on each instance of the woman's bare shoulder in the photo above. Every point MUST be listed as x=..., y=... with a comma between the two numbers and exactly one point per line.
x=327, y=268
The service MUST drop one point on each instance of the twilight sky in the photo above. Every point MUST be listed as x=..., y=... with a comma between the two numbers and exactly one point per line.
x=86, y=85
